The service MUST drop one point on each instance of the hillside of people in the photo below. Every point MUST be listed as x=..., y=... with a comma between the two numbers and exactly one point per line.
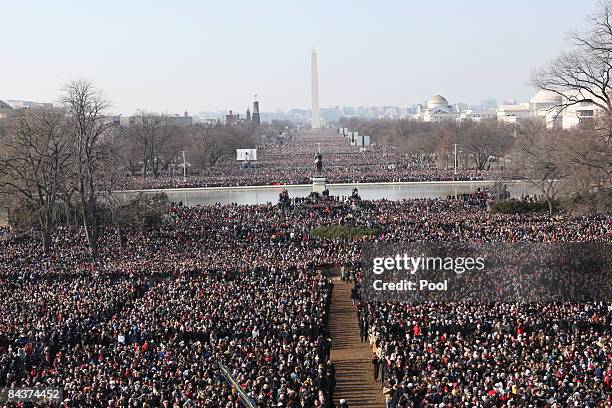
x=148, y=320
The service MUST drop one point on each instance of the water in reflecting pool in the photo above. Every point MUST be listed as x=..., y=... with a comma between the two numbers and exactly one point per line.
x=374, y=191
x=368, y=191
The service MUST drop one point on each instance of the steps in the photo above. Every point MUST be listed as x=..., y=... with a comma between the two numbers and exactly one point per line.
x=353, y=359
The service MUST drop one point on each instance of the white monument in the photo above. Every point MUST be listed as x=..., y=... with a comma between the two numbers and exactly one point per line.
x=315, y=118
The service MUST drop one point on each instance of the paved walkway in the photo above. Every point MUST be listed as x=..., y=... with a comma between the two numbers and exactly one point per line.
x=353, y=359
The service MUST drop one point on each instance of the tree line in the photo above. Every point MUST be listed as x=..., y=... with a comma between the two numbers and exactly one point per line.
x=574, y=162
x=63, y=164
x=152, y=145
x=479, y=142
x=51, y=156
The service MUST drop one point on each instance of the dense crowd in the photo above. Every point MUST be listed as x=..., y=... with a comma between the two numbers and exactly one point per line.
x=151, y=321
x=466, y=354
x=166, y=346
x=292, y=162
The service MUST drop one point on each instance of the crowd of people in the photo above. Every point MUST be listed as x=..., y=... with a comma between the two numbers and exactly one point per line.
x=462, y=354
x=165, y=346
x=153, y=320
x=291, y=162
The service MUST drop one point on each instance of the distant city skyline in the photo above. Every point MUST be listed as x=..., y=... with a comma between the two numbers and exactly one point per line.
x=302, y=114
x=195, y=56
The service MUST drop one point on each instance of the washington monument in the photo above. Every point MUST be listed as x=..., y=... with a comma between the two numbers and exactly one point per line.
x=315, y=120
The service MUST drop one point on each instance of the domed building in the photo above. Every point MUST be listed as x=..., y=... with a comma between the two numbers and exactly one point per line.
x=546, y=104
x=554, y=109
x=544, y=100
x=436, y=109
x=437, y=101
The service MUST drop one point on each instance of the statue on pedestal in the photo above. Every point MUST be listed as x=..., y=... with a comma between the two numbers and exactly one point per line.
x=318, y=159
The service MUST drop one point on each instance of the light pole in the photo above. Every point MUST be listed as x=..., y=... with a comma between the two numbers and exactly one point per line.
x=184, y=168
x=455, y=166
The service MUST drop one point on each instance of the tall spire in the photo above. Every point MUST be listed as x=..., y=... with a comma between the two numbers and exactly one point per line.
x=255, y=116
x=315, y=119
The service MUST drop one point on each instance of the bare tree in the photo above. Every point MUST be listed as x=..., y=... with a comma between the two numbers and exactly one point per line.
x=85, y=109
x=157, y=141
x=483, y=140
x=583, y=73
x=34, y=164
x=589, y=154
x=207, y=145
x=417, y=139
x=141, y=133
x=402, y=128
x=587, y=151
x=538, y=156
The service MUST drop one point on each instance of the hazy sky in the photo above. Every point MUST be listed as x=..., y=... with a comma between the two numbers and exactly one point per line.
x=171, y=56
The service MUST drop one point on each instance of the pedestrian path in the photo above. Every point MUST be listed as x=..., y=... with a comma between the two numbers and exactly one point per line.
x=353, y=359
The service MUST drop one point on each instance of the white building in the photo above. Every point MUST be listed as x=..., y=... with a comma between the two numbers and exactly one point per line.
x=546, y=105
x=575, y=112
x=513, y=113
x=542, y=106
x=580, y=111
x=10, y=107
x=436, y=109
x=477, y=115
x=17, y=104
x=556, y=110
